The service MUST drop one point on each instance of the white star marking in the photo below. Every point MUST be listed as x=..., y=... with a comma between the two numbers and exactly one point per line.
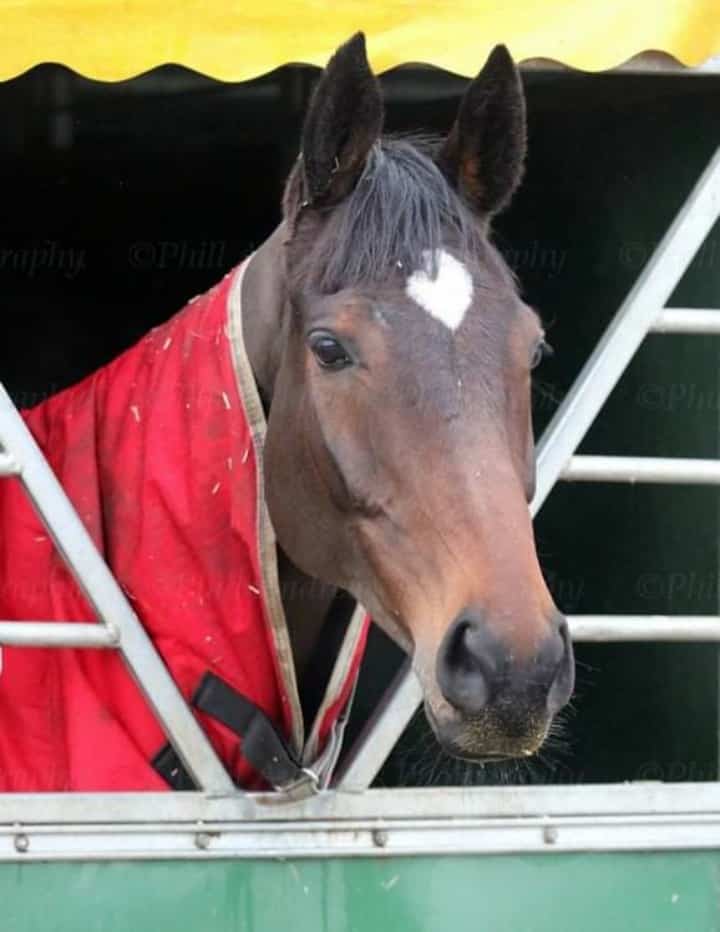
x=445, y=297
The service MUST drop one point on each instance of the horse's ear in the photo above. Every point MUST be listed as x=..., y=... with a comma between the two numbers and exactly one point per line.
x=343, y=122
x=484, y=154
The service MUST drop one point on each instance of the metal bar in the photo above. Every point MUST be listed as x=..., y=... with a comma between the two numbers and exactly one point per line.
x=56, y=634
x=108, y=601
x=369, y=753
x=582, y=405
x=676, y=628
x=642, y=469
x=687, y=320
x=444, y=820
x=627, y=330
x=648, y=796
x=436, y=838
x=8, y=466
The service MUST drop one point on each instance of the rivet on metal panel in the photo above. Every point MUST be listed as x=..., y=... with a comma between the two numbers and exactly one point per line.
x=202, y=840
x=22, y=843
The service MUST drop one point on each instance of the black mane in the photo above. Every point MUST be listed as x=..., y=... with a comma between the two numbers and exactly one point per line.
x=401, y=207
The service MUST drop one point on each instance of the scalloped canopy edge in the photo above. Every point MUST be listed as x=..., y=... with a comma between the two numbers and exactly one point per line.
x=233, y=41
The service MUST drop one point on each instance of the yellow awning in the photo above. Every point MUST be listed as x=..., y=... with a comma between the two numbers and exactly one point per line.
x=233, y=41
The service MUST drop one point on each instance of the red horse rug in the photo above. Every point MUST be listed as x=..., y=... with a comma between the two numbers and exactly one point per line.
x=161, y=454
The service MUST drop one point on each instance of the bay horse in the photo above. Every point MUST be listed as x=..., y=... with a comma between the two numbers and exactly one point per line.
x=391, y=354
x=394, y=352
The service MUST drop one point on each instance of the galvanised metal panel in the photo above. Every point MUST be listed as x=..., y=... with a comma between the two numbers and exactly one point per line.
x=593, y=892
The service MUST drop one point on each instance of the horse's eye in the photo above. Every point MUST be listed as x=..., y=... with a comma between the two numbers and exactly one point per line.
x=542, y=351
x=329, y=351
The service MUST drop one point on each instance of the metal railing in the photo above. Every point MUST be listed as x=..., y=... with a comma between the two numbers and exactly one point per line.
x=671, y=470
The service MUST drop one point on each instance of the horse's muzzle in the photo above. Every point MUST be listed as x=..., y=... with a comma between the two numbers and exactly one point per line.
x=495, y=706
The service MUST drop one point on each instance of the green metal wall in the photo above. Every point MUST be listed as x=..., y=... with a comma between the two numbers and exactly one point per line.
x=507, y=893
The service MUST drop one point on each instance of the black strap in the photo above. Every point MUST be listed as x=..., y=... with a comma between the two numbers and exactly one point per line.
x=168, y=764
x=262, y=745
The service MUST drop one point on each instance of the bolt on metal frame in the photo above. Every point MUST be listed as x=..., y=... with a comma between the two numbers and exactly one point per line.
x=643, y=311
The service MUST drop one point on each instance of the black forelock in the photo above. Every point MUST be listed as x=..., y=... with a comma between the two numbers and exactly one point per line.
x=401, y=207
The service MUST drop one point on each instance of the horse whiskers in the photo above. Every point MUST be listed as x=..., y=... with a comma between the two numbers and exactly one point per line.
x=583, y=665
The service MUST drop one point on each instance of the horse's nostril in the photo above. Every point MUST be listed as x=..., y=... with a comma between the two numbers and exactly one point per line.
x=467, y=665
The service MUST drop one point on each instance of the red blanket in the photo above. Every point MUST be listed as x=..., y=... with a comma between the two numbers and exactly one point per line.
x=159, y=453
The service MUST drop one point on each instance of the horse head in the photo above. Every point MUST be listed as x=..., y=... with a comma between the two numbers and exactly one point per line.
x=396, y=356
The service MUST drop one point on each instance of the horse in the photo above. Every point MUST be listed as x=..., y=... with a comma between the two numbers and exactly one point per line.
x=391, y=354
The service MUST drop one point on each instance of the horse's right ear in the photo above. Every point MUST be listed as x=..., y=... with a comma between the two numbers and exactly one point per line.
x=343, y=122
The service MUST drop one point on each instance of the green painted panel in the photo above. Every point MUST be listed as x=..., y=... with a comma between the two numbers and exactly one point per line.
x=627, y=892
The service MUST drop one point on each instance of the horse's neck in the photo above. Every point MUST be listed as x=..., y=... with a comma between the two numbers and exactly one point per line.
x=306, y=601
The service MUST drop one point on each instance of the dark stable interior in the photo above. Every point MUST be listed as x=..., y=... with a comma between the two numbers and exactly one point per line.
x=121, y=201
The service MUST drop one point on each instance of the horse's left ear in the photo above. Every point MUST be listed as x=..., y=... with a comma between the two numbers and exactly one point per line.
x=343, y=122
x=485, y=152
